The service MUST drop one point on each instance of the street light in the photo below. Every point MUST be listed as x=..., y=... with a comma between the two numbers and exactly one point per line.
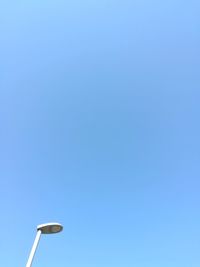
x=48, y=228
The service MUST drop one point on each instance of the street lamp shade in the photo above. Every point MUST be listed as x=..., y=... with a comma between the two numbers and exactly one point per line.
x=50, y=228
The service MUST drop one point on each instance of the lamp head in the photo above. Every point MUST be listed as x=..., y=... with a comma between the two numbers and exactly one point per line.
x=50, y=228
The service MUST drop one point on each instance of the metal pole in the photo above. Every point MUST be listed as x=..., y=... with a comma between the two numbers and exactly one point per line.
x=34, y=247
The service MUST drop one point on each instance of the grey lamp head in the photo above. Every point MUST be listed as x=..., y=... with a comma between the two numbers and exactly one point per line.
x=50, y=228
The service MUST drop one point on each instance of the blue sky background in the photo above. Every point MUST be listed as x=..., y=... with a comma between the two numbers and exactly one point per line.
x=99, y=130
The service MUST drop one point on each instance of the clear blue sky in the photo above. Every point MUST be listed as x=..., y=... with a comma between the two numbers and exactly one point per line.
x=99, y=130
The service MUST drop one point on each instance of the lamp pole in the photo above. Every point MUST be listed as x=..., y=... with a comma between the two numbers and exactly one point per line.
x=48, y=228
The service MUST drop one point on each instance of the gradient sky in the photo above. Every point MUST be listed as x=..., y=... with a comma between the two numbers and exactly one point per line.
x=99, y=130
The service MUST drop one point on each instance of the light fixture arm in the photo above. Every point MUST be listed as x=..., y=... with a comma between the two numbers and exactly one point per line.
x=34, y=247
